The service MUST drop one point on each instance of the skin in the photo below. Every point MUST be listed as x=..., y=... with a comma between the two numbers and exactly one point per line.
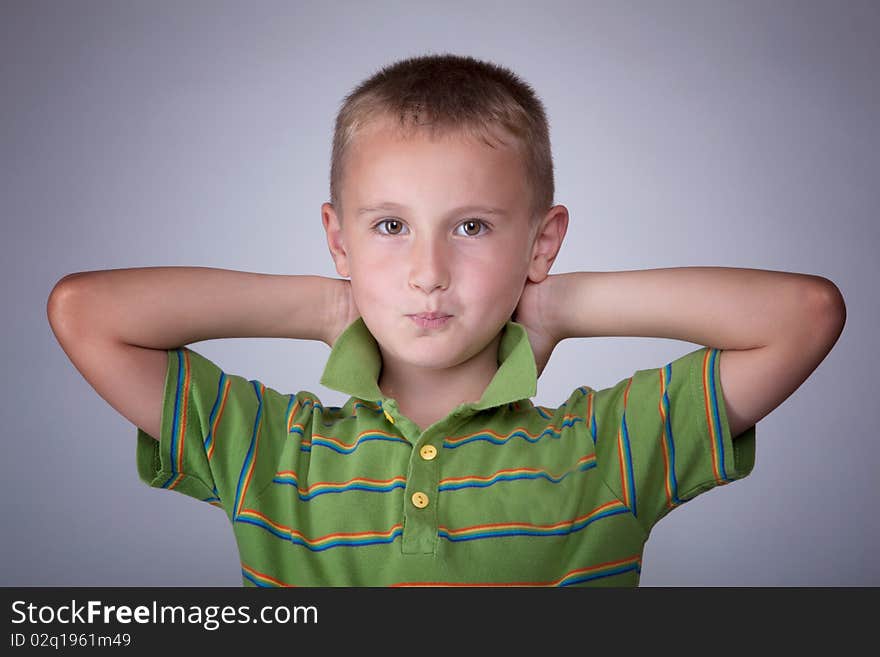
x=424, y=256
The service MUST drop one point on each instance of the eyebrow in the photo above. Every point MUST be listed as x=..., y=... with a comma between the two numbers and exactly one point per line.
x=388, y=205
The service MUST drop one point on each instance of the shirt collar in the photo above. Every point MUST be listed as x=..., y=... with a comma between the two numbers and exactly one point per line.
x=355, y=362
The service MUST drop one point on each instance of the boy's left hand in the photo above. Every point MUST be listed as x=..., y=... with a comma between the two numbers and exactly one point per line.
x=535, y=310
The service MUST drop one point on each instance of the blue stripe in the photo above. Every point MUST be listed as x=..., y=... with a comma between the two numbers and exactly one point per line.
x=670, y=441
x=719, y=433
x=525, y=532
x=210, y=437
x=542, y=413
x=629, y=467
x=500, y=441
x=291, y=400
x=365, y=487
x=176, y=419
x=339, y=543
x=250, y=452
x=616, y=571
x=511, y=477
x=249, y=577
x=335, y=448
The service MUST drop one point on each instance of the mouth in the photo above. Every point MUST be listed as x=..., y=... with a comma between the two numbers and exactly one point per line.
x=430, y=320
x=434, y=315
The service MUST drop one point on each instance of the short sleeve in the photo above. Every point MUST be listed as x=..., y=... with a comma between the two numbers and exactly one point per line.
x=662, y=436
x=220, y=433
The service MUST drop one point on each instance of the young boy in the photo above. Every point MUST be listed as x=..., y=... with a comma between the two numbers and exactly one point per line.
x=439, y=470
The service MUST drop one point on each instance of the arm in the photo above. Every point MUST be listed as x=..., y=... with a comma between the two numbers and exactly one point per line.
x=721, y=307
x=115, y=325
x=774, y=327
x=167, y=307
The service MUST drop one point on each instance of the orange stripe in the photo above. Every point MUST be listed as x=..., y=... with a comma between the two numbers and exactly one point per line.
x=292, y=415
x=181, y=430
x=265, y=577
x=247, y=481
x=707, y=402
x=606, y=565
x=664, y=438
x=216, y=426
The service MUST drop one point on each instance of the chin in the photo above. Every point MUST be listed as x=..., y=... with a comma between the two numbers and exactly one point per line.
x=427, y=355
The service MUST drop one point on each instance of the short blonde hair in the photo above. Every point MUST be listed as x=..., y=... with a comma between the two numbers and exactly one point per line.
x=451, y=94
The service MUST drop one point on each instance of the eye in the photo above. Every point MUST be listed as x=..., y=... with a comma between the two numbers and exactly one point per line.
x=474, y=224
x=394, y=225
x=389, y=222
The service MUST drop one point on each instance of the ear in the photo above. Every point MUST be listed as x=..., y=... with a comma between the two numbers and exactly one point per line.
x=335, y=241
x=547, y=241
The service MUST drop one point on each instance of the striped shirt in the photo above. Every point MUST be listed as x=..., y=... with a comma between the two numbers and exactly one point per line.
x=500, y=492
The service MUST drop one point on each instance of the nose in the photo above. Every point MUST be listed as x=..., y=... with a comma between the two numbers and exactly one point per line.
x=429, y=264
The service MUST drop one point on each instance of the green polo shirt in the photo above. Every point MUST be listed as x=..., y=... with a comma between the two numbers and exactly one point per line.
x=501, y=492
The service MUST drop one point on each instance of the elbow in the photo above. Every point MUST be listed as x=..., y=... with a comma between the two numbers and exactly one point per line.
x=59, y=301
x=828, y=302
x=826, y=312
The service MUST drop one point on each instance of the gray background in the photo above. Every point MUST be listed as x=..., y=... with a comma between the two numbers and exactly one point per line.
x=738, y=134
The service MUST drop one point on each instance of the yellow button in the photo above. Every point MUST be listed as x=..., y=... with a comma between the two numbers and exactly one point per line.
x=428, y=452
x=390, y=419
x=420, y=500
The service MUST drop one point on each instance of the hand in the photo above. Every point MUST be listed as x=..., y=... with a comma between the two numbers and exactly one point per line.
x=536, y=307
x=346, y=310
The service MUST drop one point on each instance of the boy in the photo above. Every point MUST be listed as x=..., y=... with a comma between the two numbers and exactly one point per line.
x=439, y=470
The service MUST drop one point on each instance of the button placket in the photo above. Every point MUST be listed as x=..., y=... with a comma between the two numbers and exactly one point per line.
x=420, y=532
x=420, y=507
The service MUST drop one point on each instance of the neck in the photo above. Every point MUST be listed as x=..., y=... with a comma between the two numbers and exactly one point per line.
x=426, y=392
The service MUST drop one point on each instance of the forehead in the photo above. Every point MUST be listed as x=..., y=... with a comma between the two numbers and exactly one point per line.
x=384, y=163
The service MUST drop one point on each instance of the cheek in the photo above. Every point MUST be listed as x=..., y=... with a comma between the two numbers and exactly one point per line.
x=377, y=264
x=367, y=290
x=376, y=284
x=500, y=275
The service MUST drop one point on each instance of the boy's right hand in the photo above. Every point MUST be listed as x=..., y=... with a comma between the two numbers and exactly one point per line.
x=346, y=310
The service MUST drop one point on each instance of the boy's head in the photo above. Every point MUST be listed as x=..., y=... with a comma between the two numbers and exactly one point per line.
x=443, y=138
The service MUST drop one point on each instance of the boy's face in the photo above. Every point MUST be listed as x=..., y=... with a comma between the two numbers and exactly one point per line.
x=427, y=254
